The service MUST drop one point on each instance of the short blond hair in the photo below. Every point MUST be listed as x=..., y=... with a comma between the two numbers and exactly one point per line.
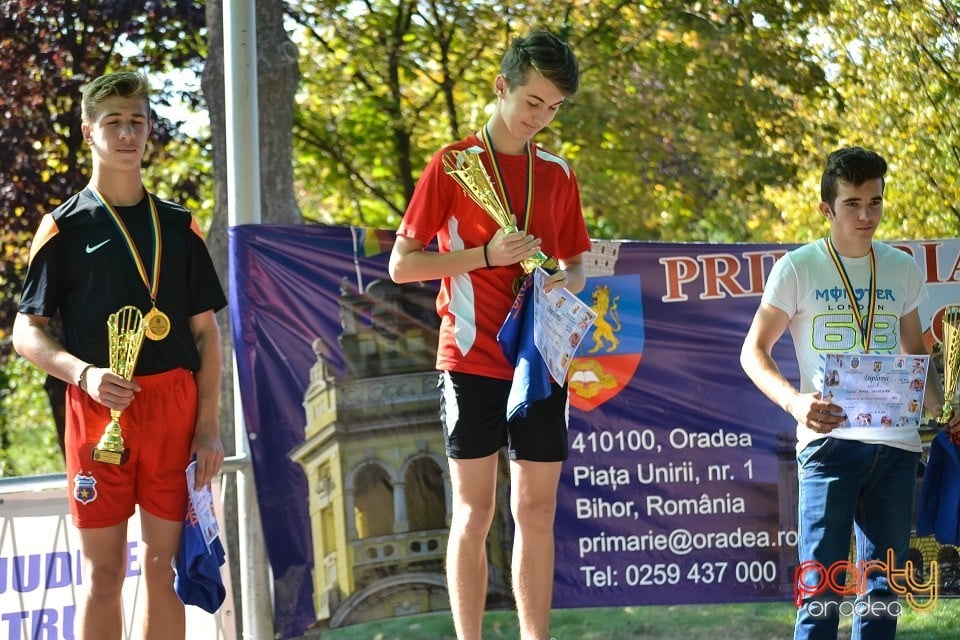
x=126, y=84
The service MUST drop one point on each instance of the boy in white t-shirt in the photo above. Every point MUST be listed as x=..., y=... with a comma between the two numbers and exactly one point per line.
x=860, y=477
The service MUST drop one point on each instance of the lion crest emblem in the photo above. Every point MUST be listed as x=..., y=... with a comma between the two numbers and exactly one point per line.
x=611, y=352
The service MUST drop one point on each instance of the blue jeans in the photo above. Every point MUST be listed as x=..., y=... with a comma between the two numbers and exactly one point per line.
x=847, y=484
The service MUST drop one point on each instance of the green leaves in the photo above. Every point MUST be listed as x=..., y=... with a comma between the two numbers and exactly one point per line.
x=680, y=113
x=895, y=74
x=705, y=121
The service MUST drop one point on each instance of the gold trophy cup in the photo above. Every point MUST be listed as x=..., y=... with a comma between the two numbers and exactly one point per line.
x=125, y=330
x=466, y=168
x=951, y=360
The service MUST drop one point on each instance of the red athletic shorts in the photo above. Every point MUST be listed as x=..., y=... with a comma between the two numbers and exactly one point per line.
x=157, y=428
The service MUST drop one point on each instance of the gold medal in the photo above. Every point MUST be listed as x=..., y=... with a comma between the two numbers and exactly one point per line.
x=157, y=323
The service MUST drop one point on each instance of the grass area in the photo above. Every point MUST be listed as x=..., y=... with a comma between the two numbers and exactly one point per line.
x=767, y=621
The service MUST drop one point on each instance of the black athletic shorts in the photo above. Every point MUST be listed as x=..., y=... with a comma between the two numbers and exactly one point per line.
x=473, y=412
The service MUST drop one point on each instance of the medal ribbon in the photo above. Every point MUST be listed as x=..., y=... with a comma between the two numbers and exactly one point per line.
x=152, y=282
x=498, y=177
x=865, y=328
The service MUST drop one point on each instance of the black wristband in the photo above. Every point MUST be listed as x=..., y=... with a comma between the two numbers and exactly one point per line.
x=486, y=260
x=83, y=375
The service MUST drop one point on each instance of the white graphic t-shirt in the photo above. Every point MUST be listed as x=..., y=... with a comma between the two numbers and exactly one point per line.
x=806, y=285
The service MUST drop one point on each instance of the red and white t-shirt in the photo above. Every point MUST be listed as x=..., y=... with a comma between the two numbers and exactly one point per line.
x=473, y=305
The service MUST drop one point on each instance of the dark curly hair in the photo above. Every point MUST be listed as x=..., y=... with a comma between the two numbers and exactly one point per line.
x=853, y=165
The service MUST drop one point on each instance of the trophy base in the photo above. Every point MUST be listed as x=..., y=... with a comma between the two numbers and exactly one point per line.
x=110, y=457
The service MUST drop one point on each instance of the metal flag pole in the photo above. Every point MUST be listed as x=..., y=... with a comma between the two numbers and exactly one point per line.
x=243, y=207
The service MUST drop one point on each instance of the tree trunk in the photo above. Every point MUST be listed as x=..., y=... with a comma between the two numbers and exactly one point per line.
x=278, y=75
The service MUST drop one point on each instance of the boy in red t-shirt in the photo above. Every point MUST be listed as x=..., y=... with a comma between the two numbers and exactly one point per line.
x=478, y=263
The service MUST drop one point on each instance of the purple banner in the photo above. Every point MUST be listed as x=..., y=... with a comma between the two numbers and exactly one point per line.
x=284, y=294
x=681, y=483
x=671, y=494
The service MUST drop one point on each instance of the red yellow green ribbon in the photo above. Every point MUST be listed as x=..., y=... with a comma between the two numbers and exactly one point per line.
x=153, y=281
x=864, y=328
x=498, y=176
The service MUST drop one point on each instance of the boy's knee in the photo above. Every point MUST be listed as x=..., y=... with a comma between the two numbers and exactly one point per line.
x=106, y=581
x=535, y=516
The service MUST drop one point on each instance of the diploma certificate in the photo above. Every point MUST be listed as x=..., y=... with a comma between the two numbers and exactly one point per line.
x=202, y=502
x=561, y=321
x=876, y=390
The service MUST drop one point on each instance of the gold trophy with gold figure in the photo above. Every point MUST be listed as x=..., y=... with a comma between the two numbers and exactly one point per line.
x=950, y=350
x=466, y=168
x=125, y=330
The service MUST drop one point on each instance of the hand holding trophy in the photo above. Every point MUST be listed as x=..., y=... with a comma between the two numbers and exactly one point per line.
x=466, y=168
x=125, y=330
x=951, y=360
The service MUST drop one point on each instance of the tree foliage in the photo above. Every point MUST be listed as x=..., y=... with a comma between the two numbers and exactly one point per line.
x=689, y=119
x=685, y=110
x=28, y=444
x=895, y=70
x=695, y=121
